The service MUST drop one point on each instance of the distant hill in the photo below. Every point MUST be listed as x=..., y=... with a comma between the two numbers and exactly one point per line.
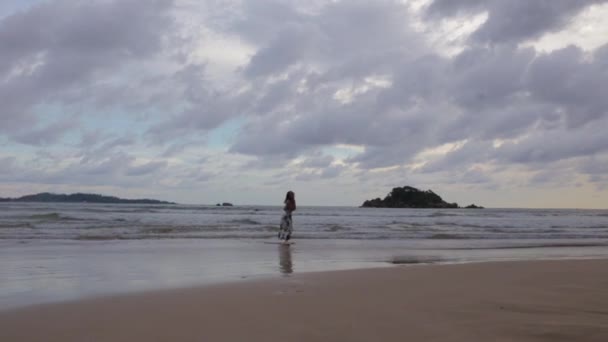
x=80, y=198
x=410, y=197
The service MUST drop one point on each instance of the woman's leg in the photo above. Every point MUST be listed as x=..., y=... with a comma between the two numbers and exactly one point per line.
x=283, y=227
x=289, y=228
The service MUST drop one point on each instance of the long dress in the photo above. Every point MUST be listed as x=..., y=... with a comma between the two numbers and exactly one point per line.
x=286, y=226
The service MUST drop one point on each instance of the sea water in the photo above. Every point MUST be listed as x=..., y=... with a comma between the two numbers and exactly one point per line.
x=51, y=251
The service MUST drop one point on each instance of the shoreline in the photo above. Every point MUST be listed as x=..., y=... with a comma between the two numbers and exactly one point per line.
x=286, y=272
x=536, y=300
x=56, y=271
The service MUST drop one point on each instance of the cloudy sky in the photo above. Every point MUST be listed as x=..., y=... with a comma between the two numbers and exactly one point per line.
x=500, y=103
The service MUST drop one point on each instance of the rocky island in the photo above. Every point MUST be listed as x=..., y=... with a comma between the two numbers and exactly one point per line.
x=410, y=197
x=80, y=198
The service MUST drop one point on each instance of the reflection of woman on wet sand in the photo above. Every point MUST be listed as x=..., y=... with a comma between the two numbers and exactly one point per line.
x=285, y=263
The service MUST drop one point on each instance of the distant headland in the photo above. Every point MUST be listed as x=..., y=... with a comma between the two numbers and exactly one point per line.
x=80, y=198
x=410, y=197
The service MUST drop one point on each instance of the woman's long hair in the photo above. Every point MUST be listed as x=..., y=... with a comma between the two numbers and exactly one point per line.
x=289, y=197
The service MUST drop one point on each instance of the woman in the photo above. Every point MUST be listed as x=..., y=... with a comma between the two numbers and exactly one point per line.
x=286, y=222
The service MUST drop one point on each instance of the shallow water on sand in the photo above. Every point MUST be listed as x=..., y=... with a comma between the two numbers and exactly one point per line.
x=47, y=271
x=55, y=252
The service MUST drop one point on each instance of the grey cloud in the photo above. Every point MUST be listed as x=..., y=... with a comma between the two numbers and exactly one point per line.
x=601, y=182
x=469, y=153
x=93, y=31
x=104, y=148
x=318, y=174
x=323, y=121
x=112, y=169
x=112, y=165
x=147, y=168
x=205, y=107
x=307, y=176
x=318, y=161
x=258, y=21
x=280, y=135
x=474, y=176
x=117, y=142
x=550, y=146
x=567, y=79
x=99, y=172
x=335, y=36
x=293, y=120
x=537, y=151
x=91, y=138
x=515, y=120
x=484, y=93
x=58, y=48
x=488, y=77
x=44, y=154
x=387, y=156
x=292, y=96
x=552, y=177
x=204, y=176
x=264, y=138
x=332, y=171
x=596, y=169
x=454, y=7
x=600, y=57
x=476, y=79
x=416, y=81
x=275, y=95
x=268, y=162
x=7, y=164
x=191, y=177
x=547, y=96
x=175, y=149
x=481, y=95
x=595, y=166
x=47, y=135
x=512, y=21
x=318, y=166
x=291, y=44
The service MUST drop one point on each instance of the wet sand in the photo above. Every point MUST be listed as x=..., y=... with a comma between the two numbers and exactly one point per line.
x=507, y=301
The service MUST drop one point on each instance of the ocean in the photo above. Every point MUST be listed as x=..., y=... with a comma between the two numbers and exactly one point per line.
x=56, y=251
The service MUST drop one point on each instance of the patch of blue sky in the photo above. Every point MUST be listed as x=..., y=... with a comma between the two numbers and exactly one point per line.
x=224, y=135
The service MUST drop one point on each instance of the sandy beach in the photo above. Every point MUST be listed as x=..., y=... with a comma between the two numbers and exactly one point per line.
x=505, y=301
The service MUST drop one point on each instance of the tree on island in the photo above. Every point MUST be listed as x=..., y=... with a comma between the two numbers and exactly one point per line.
x=409, y=197
x=80, y=198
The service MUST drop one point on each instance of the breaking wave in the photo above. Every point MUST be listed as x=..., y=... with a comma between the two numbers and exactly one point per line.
x=245, y=221
x=445, y=236
x=49, y=216
x=433, y=226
